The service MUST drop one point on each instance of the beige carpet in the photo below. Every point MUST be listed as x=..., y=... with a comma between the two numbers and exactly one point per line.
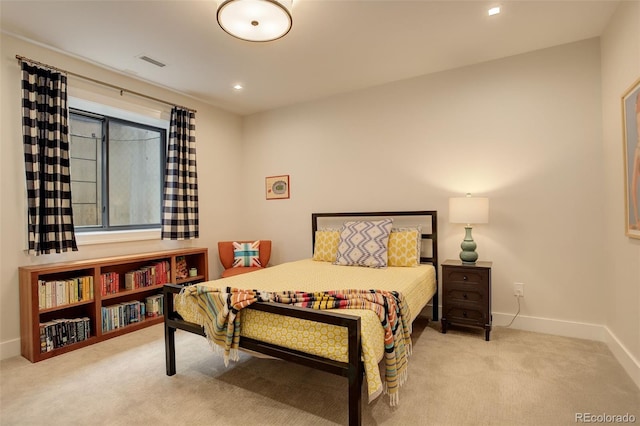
x=518, y=378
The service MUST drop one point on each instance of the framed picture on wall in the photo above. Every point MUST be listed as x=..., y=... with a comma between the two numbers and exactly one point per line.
x=277, y=187
x=631, y=131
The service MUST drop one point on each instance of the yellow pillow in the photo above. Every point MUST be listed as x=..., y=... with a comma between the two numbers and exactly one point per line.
x=404, y=247
x=326, y=245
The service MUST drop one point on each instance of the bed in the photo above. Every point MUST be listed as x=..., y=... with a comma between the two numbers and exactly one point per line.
x=290, y=332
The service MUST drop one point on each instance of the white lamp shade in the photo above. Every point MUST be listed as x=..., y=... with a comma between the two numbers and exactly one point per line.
x=255, y=20
x=469, y=210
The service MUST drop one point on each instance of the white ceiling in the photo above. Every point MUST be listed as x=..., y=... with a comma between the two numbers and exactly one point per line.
x=335, y=46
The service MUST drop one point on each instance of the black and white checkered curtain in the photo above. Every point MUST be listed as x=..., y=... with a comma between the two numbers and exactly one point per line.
x=180, y=200
x=46, y=157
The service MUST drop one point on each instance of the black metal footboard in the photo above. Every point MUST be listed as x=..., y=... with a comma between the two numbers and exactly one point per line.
x=353, y=370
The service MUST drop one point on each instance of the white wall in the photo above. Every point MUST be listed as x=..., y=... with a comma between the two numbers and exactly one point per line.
x=524, y=131
x=620, y=46
x=218, y=135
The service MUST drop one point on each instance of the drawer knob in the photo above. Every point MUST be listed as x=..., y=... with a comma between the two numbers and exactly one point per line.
x=464, y=314
x=464, y=296
x=464, y=277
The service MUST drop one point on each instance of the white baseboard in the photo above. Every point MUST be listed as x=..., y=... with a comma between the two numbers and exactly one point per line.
x=624, y=357
x=9, y=348
x=556, y=327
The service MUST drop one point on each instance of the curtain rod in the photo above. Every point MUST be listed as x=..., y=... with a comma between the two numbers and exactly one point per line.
x=122, y=91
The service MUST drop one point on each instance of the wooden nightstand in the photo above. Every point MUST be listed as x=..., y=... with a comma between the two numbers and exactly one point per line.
x=466, y=295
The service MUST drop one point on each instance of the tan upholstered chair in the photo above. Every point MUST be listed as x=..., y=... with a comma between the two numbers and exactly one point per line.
x=226, y=253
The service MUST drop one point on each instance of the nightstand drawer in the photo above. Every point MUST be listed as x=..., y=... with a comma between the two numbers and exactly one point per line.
x=463, y=314
x=466, y=293
x=465, y=276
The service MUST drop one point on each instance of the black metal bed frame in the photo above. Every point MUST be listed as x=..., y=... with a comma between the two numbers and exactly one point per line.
x=353, y=370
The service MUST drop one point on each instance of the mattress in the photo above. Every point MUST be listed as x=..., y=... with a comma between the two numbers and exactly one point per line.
x=417, y=285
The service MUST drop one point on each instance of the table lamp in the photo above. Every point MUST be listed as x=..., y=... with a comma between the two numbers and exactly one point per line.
x=468, y=210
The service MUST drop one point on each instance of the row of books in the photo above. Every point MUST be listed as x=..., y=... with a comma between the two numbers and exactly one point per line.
x=63, y=332
x=155, y=274
x=109, y=283
x=57, y=293
x=121, y=315
x=127, y=313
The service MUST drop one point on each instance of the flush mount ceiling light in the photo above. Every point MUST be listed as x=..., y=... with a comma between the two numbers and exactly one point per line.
x=255, y=20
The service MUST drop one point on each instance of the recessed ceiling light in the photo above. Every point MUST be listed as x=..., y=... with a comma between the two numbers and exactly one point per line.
x=238, y=86
x=494, y=10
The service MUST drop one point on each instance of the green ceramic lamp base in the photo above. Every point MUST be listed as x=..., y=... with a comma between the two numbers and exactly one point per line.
x=468, y=254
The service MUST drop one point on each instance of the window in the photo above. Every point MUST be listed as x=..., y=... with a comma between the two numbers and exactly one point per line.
x=117, y=172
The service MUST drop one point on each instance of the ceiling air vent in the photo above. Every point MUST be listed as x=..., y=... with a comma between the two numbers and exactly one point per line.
x=152, y=61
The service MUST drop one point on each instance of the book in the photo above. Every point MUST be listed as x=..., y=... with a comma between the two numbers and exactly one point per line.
x=87, y=327
x=48, y=294
x=129, y=280
x=90, y=285
x=49, y=335
x=43, y=338
x=79, y=289
x=42, y=294
x=154, y=305
x=60, y=296
x=71, y=332
x=78, y=323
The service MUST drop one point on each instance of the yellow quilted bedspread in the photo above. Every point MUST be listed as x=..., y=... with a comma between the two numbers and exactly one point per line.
x=417, y=284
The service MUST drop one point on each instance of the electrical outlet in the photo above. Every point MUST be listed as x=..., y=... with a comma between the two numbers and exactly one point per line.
x=518, y=289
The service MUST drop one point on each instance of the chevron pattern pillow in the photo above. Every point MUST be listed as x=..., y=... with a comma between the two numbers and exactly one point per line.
x=364, y=243
x=246, y=254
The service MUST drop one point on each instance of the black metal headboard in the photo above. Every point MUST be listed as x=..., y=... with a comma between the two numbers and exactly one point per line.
x=431, y=216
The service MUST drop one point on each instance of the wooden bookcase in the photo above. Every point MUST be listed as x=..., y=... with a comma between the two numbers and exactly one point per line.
x=32, y=315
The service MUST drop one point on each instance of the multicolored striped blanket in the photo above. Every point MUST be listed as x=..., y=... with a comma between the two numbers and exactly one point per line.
x=219, y=310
